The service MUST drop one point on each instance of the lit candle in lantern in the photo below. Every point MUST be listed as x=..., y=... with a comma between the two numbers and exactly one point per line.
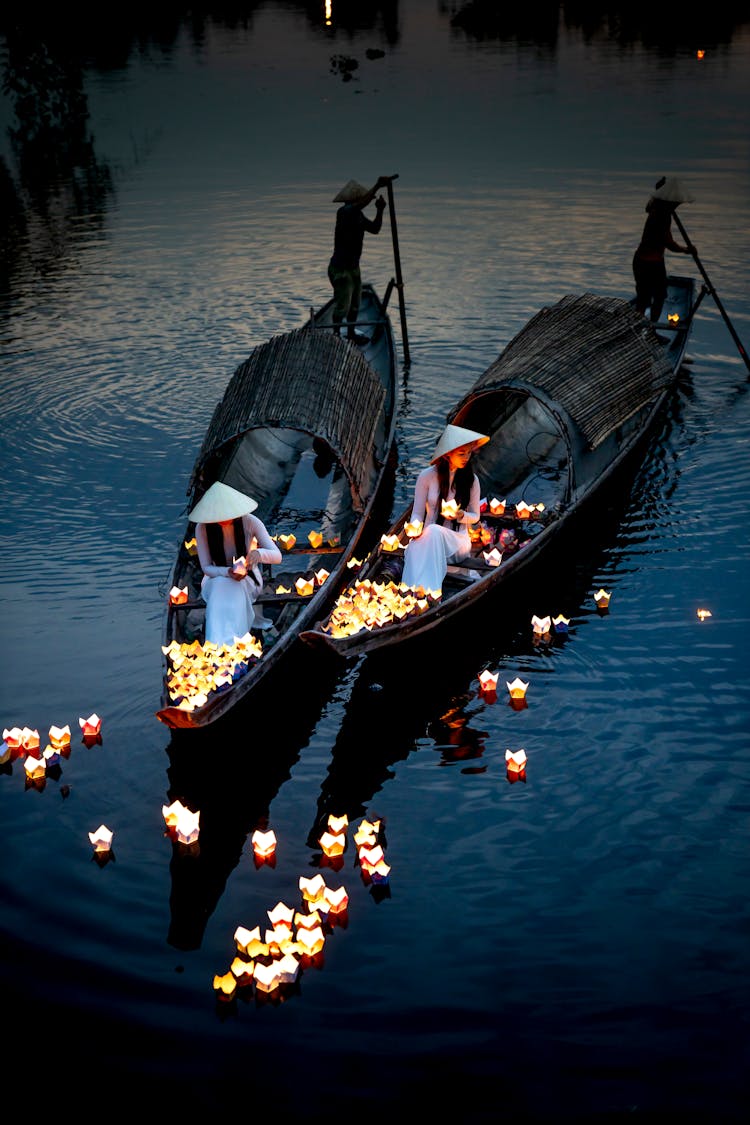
x=601, y=598
x=287, y=541
x=13, y=737
x=287, y=968
x=266, y=977
x=449, y=509
x=497, y=507
x=312, y=889
x=413, y=529
x=517, y=688
x=225, y=986
x=332, y=845
x=368, y=857
x=315, y=538
x=242, y=971
x=311, y=941
x=515, y=761
x=59, y=737
x=379, y=872
x=91, y=726
x=264, y=843
x=493, y=557
x=700, y=53
x=281, y=913
x=488, y=681
x=337, y=824
x=523, y=511
x=29, y=739
x=178, y=595
x=541, y=625
x=337, y=899
x=35, y=768
x=243, y=937
x=304, y=586
x=239, y=566
x=187, y=826
x=704, y=613
x=101, y=839
x=673, y=318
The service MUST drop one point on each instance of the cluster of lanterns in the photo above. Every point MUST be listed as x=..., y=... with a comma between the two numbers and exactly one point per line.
x=196, y=670
x=295, y=940
x=25, y=743
x=371, y=605
x=369, y=843
x=183, y=824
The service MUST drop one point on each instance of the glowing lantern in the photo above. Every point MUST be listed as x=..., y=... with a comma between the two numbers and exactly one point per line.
x=704, y=613
x=673, y=318
x=321, y=575
x=601, y=597
x=561, y=623
x=364, y=835
x=242, y=971
x=91, y=726
x=700, y=53
x=178, y=595
x=59, y=737
x=379, y=872
x=308, y=921
x=304, y=586
x=13, y=737
x=312, y=889
x=51, y=755
x=283, y=589
x=29, y=739
x=311, y=941
x=101, y=839
x=390, y=542
x=287, y=969
x=243, y=937
x=225, y=985
x=332, y=845
x=353, y=563
x=517, y=688
x=239, y=566
x=187, y=826
x=35, y=768
x=368, y=857
x=287, y=541
x=264, y=843
x=493, y=557
x=515, y=761
x=449, y=509
x=488, y=680
x=315, y=538
x=337, y=899
x=413, y=529
x=497, y=507
x=191, y=546
x=541, y=625
x=337, y=824
x=171, y=813
x=281, y=913
x=266, y=977
x=523, y=511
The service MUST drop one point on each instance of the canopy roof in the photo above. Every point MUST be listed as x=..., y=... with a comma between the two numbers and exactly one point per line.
x=597, y=357
x=304, y=380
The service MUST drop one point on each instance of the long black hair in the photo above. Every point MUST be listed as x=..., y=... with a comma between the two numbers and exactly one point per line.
x=463, y=479
x=215, y=538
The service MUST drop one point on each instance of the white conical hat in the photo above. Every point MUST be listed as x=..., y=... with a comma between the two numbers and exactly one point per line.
x=671, y=190
x=220, y=502
x=351, y=192
x=453, y=437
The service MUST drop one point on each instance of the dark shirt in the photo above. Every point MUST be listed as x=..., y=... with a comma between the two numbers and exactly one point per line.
x=348, y=237
x=657, y=234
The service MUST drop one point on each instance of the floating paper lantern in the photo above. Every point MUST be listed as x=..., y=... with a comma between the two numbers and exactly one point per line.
x=390, y=542
x=178, y=595
x=497, y=507
x=379, y=872
x=337, y=824
x=264, y=843
x=337, y=899
x=488, y=681
x=541, y=625
x=288, y=969
x=13, y=736
x=332, y=845
x=601, y=597
x=242, y=971
x=243, y=937
x=187, y=826
x=59, y=736
x=266, y=977
x=493, y=557
x=51, y=755
x=172, y=812
x=523, y=511
x=515, y=760
x=315, y=538
x=517, y=688
x=101, y=838
x=311, y=941
x=365, y=835
x=287, y=541
x=561, y=623
x=91, y=726
x=304, y=586
x=281, y=913
x=321, y=575
x=29, y=739
x=449, y=509
x=704, y=613
x=225, y=986
x=35, y=768
x=312, y=889
x=368, y=857
x=413, y=529
x=310, y=920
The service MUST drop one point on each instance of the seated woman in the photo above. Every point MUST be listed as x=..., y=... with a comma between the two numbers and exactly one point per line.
x=226, y=531
x=449, y=476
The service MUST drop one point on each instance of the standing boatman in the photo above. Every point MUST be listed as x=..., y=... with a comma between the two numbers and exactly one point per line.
x=343, y=268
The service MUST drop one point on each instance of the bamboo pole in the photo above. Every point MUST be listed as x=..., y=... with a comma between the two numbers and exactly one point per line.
x=397, y=264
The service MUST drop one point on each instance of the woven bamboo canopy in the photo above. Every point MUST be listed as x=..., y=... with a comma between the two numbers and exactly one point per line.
x=595, y=356
x=310, y=381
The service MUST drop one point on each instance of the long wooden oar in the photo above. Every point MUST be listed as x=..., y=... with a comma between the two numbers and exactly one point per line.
x=397, y=264
x=712, y=291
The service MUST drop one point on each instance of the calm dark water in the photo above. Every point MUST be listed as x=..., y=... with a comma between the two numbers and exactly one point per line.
x=568, y=948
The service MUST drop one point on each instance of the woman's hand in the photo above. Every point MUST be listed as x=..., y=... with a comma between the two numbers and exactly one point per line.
x=252, y=559
x=237, y=575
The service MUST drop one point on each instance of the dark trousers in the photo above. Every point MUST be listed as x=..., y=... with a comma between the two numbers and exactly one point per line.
x=650, y=286
x=347, y=294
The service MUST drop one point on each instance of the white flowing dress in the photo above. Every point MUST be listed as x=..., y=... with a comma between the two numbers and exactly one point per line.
x=230, y=611
x=426, y=559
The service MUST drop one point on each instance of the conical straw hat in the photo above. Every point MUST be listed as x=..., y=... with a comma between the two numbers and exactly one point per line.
x=351, y=192
x=671, y=190
x=220, y=502
x=453, y=437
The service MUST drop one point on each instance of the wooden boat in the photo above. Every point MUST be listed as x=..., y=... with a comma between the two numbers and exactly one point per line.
x=566, y=401
x=306, y=427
